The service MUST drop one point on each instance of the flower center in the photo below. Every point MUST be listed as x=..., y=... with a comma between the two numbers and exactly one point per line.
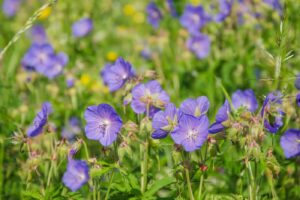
x=192, y=134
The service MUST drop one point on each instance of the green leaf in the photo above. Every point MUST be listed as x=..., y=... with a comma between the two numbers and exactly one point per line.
x=159, y=184
x=99, y=172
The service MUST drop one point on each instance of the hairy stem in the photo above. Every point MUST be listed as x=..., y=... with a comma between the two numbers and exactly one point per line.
x=187, y=175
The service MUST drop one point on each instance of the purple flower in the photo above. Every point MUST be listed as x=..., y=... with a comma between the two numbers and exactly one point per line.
x=72, y=129
x=272, y=112
x=194, y=18
x=117, y=74
x=82, y=27
x=244, y=99
x=171, y=7
x=195, y=107
x=222, y=116
x=297, y=82
x=70, y=82
x=40, y=120
x=56, y=65
x=154, y=14
x=103, y=124
x=146, y=53
x=191, y=132
x=275, y=4
x=38, y=35
x=150, y=94
x=38, y=57
x=77, y=174
x=225, y=10
x=199, y=45
x=290, y=143
x=298, y=99
x=165, y=121
x=10, y=7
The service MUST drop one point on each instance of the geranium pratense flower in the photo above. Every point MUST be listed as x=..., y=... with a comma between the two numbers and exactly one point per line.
x=275, y=4
x=222, y=116
x=194, y=18
x=195, y=107
x=40, y=120
x=171, y=7
x=290, y=143
x=245, y=99
x=149, y=95
x=76, y=175
x=11, y=7
x=116, y=75
x=165, y=121
x=71, y=129
x=225, y=7
x=38, y=57
x=199, y=45
x=56, y=65
x=191, y=132
x=103, y=123
x=38, y=34
x=154, y=14
x=82, y=27
x=272, y=112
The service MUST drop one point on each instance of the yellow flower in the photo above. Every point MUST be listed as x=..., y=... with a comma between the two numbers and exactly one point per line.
x=139, y=18
x=128, y=10
x=195, y=2
x=111, y=56
x=85, y=79
x=45, y=13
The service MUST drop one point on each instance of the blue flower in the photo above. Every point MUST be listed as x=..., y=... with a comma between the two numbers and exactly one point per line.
x=76, y=175
x=103, y=124
x=199, y=45
x=272, y=112
x=38, y=35
x=298, y=99
x=11, y=7
x=171, y=7
x=40, y=120
x=164, y=122
x=56, y=65
x=149, y=95
x=154, y=14
x=275, y=4
x=191, y=132
x=71, y=129
x=290, y=143
x=82, y=27
x=244, y=99
x=194, y=18
x=195, y=107
x=225, y=7
x=116, y=75
x=222, y=116
x=297, y=82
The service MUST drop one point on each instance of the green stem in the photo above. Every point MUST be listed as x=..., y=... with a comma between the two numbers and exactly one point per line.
x=144, y=167
x=252, y=185
x=187, y=175
x=109, y=186
x=200, y=186
x=50, y=173
x=86, y=150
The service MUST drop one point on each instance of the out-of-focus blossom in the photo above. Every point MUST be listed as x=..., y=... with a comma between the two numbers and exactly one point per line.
x=146, y=53
x=56, y=66
x=194, y=18
x=165, y=121
x=82, y=27
x=172, y=8
x=129, y=10
x=199, y=45
x=275, y=4
x=11, y=7
x=149, y=95
x=245, y=99
x=103, y=124
x=195, y=107
x=40, y=120
x=116, y=75
x=70, y=82
x=38, y=35
x=71, y=129
x=139, y=17
x=272, y=112
x=111, y=56
x=76, y=175
x=191, y=132
x=85, y=79
x=297, y=82
x=222, y=116
x=225, y=7
x=290, y=143
x=154, y=14
x=45, y=13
